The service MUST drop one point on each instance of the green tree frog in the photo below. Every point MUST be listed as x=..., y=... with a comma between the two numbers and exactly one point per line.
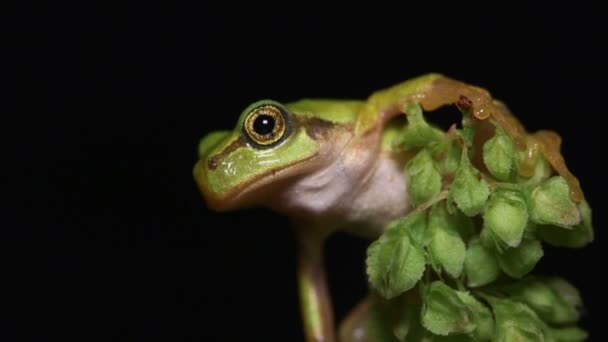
x=333, y=165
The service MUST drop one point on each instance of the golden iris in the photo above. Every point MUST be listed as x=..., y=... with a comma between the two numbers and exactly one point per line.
x=265, y=125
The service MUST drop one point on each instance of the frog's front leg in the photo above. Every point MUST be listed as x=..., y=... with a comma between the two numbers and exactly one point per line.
x=315, y=303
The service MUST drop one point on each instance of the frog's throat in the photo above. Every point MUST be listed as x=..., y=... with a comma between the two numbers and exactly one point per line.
x=251, y=191
x=361, y=188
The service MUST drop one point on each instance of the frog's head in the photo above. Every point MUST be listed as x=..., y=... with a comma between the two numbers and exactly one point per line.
x=271, y=146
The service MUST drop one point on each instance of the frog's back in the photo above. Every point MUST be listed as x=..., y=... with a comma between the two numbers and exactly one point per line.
x=335, y=111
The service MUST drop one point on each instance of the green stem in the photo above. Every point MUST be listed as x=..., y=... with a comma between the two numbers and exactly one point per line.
x=315, y=304
x=440, y=197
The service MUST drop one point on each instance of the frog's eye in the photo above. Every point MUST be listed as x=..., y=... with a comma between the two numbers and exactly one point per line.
x=266, y=125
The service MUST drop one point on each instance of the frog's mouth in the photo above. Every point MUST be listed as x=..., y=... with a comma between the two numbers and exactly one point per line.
x=254, y=191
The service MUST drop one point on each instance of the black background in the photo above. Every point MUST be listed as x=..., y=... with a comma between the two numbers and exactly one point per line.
x=105, y=234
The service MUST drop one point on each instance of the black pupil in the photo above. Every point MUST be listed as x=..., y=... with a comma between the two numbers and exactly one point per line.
x=263, y=124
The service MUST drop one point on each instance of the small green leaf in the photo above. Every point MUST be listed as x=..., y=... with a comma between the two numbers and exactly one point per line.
x=482, y=317
x=424, y=180
x=517, y=262
x=447, y=155
x=560, y=237
x=548, y=304
x=443, y=312
x=538, y=296
x=516, y=321
x=492, y=242
x=568, y=334
x=550, y=203
x=498, y=154
x=449, y=338
x=417, y=133
x=579, y=236
x=565, y=290
x=394, y=264
x=446, y=247
x=507, y=216
x=467, y=133
x=468, y=191
x=480, y=265
x=415, y=223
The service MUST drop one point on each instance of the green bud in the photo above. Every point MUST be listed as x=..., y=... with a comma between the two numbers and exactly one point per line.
x=565, y=291
x=548, y=303
x=498, y=155
x=568, y=334
x=482, y=317
x=443, y=312
x=424, y=180
x=447, y=250
x=542, y=169
x=550, y=203
x=517, y=262
x=468, y=191
x=417, y=133
x=516, y=322
x=480, y=265
x=507, y=216
x=538, y=296
x=579, y=236
x=394, y=263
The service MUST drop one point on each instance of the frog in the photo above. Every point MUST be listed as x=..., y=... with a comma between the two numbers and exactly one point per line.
x=331, y=165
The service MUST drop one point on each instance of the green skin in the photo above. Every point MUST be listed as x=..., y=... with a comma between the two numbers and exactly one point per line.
x=333, y=171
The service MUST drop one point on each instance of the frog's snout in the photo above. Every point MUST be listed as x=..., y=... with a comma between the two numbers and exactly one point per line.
x=210, y=142
x=207, y=162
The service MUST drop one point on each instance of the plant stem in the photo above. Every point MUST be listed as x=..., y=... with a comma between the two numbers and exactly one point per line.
x=440, y=197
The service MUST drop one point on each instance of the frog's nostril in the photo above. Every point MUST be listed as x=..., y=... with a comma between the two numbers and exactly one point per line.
x=212, y=163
